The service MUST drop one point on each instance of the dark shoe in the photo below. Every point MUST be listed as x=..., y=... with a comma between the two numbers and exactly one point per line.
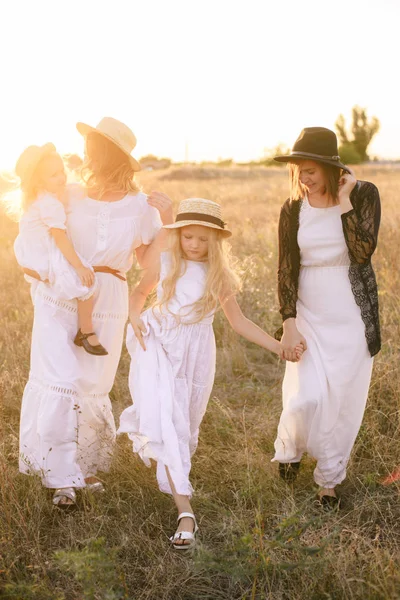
x=329, y=502
x=289, y=471
x=81, y=339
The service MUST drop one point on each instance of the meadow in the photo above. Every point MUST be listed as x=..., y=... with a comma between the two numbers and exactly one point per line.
x=259, y=537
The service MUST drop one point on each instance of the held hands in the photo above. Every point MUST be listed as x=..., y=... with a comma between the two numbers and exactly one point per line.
x=139, y=328
x=293, y=343
x=86, y=276
x=163, y=204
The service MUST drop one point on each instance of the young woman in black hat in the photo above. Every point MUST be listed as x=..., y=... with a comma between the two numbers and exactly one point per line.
x=328, y=297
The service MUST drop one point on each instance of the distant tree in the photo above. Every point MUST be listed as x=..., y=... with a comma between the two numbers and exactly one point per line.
x=270, y=153
x=154, y=162
x=349, y=155
x=363, y=130
x=226, y=162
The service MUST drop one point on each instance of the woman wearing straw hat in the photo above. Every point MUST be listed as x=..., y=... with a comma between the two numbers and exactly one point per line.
x=328, y=232
x=67, y=425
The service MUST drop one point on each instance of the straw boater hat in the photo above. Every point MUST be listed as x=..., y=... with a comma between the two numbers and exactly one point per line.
x=318, y=144
x=197, y=211
x=30, y=159
x=118, y=133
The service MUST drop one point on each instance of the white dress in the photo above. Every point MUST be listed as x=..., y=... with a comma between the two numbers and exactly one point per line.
x=67, y=427
x=171, y=381
x=36, y=249
x=324, y=395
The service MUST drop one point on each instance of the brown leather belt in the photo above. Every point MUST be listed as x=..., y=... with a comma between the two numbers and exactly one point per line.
x=99, y=269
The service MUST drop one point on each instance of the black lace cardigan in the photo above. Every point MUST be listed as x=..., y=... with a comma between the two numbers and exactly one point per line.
x=360, y=228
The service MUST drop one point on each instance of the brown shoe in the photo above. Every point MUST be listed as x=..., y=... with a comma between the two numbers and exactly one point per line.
x=81, y=339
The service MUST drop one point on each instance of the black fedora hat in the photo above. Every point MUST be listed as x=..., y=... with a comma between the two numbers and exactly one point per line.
x=315, y=143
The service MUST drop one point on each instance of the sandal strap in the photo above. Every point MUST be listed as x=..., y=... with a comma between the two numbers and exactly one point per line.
x=84, y=336
x=182, y=535
x=190, y=516
x=68, y=492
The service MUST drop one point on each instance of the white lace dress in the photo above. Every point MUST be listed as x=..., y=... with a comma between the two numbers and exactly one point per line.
x=324, y=395
x=67, y=427
x=171, y=381
x=36, y=249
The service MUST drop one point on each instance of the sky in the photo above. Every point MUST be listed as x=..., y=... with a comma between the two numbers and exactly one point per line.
x=196, y=80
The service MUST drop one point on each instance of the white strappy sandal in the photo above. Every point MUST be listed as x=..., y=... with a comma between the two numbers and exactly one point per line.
x=95, y=488
x=67, y=492
x=185, y=535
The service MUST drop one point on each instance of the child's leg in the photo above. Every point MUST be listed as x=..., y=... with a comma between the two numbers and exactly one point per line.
x=85, y=310
x=183, y=505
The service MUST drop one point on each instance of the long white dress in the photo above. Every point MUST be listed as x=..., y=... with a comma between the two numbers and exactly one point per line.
x=324, y=395
x=171, y=382
x=36, y=249
x=67, y=427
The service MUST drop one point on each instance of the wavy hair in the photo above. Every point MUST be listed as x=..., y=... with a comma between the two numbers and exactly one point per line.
x=106, y=167
x=23, y=192
x=222, y=280
x=331, y=174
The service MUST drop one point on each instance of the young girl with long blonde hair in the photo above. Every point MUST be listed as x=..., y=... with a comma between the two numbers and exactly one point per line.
x=43, y=248
x=172, y=348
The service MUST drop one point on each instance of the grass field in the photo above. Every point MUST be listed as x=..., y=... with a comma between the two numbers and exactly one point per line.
x=259, y=539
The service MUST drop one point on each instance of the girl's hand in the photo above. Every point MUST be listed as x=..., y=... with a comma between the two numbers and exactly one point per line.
x=86, y=276
x=291, y=341
x=299, y=352
x=347, y=183
x=163, y=204
x=139, y=328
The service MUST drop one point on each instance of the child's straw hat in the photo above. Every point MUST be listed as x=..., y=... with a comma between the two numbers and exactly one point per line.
x=197, y=211
x=30, y=159
x=118, y=133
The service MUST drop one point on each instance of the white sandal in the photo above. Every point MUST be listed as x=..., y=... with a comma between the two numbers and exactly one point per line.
x=95, y=488
x=67, y=492
x=185, y=535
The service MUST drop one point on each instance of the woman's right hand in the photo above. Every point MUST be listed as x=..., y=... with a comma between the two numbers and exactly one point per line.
x=86, y=276
x=291, y=339
x=139, y=328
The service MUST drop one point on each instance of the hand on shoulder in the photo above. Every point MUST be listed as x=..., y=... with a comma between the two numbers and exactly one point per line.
x=163, y=204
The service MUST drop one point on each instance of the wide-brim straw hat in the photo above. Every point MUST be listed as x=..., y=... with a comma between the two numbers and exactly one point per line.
x=118, y=133
x=30, y=159
x=318, y=144
x=198, y=211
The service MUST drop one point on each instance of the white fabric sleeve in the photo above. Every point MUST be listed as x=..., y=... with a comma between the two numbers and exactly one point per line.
x=150, y=223
x=52, y=212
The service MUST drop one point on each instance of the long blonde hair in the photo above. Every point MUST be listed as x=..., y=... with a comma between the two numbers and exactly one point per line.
x=108, y=168
x=23, y=192
x=222, y=280
x=331, y=174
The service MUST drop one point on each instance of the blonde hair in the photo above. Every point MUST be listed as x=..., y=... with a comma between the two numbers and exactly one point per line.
x=24, y=191
x=222, y=279
x=331, y=174
x=109, y=170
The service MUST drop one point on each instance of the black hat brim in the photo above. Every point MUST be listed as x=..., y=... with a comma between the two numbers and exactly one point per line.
x=300, y=156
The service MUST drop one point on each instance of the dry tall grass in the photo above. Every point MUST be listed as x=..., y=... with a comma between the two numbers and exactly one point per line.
x=259, y=538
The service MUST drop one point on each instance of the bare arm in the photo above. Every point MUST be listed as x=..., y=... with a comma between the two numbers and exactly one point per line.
x=66, y=248
x=246, y=328
x=146, y=255
x=138, y=298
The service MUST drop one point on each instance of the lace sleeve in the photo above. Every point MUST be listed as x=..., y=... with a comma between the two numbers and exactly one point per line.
x=287, y=278
x=361, y=225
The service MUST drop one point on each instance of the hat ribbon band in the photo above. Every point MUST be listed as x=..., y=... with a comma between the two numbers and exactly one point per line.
x=200, y=217
x=294, y=152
